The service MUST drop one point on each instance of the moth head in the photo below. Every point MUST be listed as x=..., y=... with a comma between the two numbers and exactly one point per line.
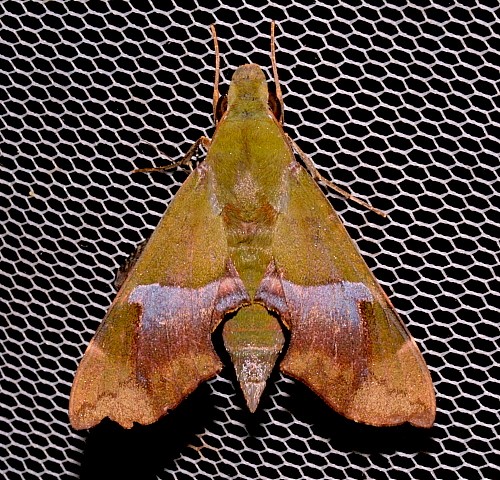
x=248, y=87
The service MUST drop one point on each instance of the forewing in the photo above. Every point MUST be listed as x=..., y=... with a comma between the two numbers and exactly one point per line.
x=153, y=347
x=347, y=343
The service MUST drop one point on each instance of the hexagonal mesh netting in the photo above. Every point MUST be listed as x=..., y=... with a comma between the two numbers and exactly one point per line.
x=394, y=100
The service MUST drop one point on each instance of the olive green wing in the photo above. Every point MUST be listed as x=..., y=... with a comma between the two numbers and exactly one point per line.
x=154, y=346
x=347, y=343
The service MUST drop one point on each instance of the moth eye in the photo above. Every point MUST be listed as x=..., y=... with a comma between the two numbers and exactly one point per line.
x=273, y=102
x=221, y=107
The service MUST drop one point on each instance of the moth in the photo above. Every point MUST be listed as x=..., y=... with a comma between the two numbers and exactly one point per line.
x=251, y=241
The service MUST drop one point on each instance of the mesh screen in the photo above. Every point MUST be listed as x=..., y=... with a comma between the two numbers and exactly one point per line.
x=395, y=101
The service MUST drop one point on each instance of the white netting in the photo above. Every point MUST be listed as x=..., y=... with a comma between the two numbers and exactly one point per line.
x=398, y=102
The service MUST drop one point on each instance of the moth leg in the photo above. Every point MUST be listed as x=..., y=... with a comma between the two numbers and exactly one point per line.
x=130, y=261
x=186, y=160
x=320, y=178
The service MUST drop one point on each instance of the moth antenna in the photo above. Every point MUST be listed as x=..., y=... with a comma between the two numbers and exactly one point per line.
x=279, y=95
x=216, y=95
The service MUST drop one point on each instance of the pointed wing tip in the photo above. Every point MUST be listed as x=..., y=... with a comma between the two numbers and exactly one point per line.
x=425, y=419
x=420, y=424
x=82, y=421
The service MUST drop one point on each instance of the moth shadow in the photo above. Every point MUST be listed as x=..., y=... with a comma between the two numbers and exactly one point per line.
x=346, y=435
x=145, y=451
